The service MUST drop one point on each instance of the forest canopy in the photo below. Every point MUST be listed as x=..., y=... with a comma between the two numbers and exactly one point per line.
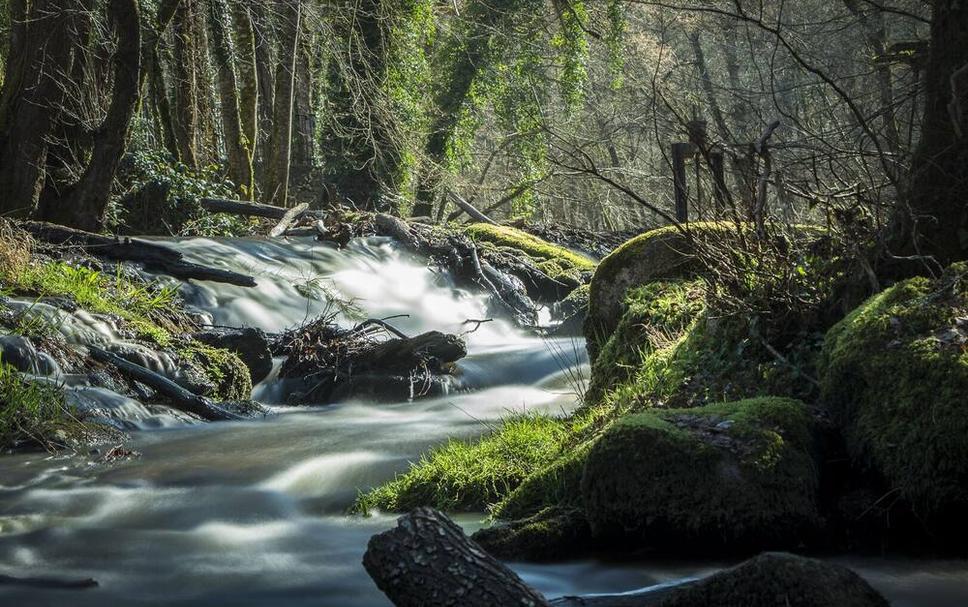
x=613, y=114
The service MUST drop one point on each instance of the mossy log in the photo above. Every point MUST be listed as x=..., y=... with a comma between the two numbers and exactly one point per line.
x=181, y=398
x=427, y=561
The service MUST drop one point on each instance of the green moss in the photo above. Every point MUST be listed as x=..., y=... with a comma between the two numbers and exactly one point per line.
x=735, y=475
x=223, y=368
x=563, y=259
x=557, y=484
x=30, y=411
x=662, y=254
x=472, y=475
x=895, y=375
x=143, y=305
x=655, y=317
x=551, y=534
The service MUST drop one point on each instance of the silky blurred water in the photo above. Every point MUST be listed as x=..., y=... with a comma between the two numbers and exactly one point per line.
x=254, y=513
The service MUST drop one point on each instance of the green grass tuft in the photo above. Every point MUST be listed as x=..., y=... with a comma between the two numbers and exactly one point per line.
x=29, y=410
x=473, y=475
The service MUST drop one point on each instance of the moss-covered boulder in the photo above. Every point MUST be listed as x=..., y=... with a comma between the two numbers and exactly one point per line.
x=734, y=476
x=654, y=317
x=550, y=535
x=894, y=373
x=778, y=580
x=662, y=254
x=223, y=371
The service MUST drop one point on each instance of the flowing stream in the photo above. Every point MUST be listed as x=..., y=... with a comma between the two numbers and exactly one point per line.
x=254, y=513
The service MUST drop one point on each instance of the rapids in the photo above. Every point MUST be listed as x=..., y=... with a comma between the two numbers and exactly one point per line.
x=254, y=513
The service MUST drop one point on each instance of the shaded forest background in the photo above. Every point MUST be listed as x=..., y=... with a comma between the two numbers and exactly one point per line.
x=848, y=114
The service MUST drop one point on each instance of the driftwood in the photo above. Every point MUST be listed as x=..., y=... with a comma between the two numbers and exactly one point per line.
x=290, y=217
x=48, y=582
x=152, y=256
x=181, y=398
x=427, y=561
x=470, y=209
x=337, y=364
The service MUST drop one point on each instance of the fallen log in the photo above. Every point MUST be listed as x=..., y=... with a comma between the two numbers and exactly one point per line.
x=154, y=257
x=427, y=561
x=181, y=398
x=240, y=207
x=470, y=209
x=290, y=217
x=48, y=582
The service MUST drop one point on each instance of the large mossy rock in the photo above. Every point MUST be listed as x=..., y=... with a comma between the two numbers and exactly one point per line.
x=778, y=580
x=662, y=254
x=733, y=477
x=654, y=316
x=551, y=535
x=894, y=374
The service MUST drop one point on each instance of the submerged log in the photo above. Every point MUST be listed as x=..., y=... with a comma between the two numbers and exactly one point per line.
x=48, y=582
x=427, y=561
x=181, y=398
x=152, y=256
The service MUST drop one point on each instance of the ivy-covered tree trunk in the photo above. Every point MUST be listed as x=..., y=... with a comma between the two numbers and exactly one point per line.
x=466, y=57
x=86, y=203
x=934, y=220
x=276, y=189
x=238, y=148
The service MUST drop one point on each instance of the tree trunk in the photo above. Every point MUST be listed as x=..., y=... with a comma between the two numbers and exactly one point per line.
x=183, y=73
x=32, y=99
x=237, y=147
x=934, y=222
x=248, y=81
x=265, y=79
x=427, y=561
x=85, y=205
x=277, y=173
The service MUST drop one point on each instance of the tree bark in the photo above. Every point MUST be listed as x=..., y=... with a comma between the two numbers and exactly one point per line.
x=248, y=81
x=934, y=222
x=86, y=204
x=238, y=149
x=427, y=561
x=183, y=73
x=32, y=99
x=277, y=173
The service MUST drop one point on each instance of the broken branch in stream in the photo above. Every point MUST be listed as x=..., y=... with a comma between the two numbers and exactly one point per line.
x=181, y=398
x=48, y=582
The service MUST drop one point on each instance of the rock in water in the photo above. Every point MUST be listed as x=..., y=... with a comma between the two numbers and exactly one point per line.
x=778, y=580
x=251, y=345
x=732, y=477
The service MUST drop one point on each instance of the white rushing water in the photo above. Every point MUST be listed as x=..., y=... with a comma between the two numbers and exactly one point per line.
x=253, y=513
